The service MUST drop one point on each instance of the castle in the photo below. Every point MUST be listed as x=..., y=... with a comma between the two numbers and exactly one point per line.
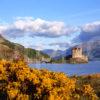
x=78, y=56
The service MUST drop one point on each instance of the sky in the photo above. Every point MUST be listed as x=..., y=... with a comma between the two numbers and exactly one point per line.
x=50, y=24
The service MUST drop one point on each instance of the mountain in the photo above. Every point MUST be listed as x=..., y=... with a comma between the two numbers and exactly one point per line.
x=54, y=53
x=48, y=51
x=10, y=50
x=91, y=49
x=35, y=54
x=7, y=48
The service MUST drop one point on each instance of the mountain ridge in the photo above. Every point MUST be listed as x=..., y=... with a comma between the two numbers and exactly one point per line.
x=8, y=50
x=90, y=48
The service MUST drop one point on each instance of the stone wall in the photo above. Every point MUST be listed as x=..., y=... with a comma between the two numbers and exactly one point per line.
x=77, y=54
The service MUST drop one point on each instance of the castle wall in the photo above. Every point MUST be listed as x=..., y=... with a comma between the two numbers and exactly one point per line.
x=77, y=53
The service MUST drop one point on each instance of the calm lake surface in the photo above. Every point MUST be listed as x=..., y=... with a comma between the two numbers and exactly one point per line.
x=71, y=69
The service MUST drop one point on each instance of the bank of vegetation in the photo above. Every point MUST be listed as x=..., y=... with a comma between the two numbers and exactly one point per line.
x=20, y=82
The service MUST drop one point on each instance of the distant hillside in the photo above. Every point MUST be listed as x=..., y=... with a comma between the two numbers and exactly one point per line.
x=8, y=50
x=54, y=53
x=92, y=49
x=35, y=54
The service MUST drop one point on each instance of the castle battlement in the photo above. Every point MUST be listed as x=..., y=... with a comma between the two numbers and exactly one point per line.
x=77, y=53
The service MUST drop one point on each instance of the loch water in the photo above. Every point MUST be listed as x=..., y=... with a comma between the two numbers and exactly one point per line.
x=71, y=69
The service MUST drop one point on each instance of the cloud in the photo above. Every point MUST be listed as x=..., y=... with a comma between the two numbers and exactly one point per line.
x=38, y=46
x=61, y=45
x=36, y=27
x=58, y=34
x=90, y=31
x=2, y=28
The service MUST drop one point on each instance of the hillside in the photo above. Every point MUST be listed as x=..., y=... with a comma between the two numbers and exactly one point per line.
x=91, y=49
x=10, y=50
x=54, y=53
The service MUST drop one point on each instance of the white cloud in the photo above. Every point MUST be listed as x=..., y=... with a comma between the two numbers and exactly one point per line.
x=58, y=34
x=91, y=27
x=2, y=28
x=37, y=27
x=38, y=46
x=90, y=31
x=61, y=45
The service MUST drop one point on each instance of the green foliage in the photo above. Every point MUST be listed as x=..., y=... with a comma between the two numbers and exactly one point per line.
x=8, y=49
x=30, y=52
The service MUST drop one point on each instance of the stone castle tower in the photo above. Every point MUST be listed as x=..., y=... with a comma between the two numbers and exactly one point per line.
x=77, y=53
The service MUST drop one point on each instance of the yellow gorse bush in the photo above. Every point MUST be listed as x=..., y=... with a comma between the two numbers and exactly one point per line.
x=20, y=82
